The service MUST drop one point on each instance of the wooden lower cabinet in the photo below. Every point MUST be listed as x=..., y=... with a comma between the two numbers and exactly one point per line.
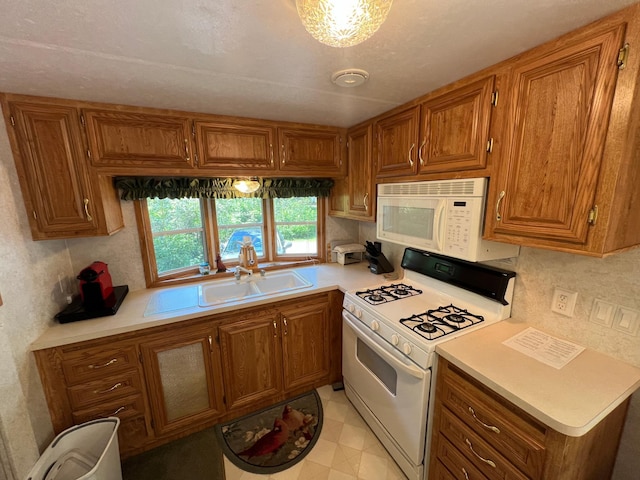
x=167, y=382
x=477, y=434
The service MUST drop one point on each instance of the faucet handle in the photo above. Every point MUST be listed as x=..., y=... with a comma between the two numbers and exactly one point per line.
x=263, y=272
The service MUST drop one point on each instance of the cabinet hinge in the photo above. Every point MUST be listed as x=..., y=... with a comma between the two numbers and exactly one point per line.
x=494, y=98
x=13, y=120
x=593, y=215
x=35, y=215
x=224, y=399
x=140, y=357
x=193, y=129
x=82, y=121
x=347, y=144
x=153, y=425
x=88, y=153
x=623, y=56
x=195, y=157
x=218, y=339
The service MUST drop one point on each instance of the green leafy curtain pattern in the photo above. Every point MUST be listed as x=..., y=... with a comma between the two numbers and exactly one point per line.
x=137, y=188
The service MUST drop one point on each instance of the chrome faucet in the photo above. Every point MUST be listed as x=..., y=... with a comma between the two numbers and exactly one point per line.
x=238, y=272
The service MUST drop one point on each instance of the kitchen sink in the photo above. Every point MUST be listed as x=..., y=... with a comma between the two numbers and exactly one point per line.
x=250, y=287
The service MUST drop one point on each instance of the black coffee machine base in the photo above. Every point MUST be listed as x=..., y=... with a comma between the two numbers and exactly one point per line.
x=77, y=311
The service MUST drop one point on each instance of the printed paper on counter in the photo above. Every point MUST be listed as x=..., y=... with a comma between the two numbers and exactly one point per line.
x=544, y=348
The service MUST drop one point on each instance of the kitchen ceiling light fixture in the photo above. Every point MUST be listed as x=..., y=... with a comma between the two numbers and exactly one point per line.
x=342, y=23
x=351, y=77
x=246, y=186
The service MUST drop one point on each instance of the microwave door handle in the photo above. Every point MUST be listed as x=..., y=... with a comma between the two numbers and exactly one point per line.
x=381, y=350
x=439, y=231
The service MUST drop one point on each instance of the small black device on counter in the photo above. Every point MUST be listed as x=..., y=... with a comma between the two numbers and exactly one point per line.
x=78, y=311
x=378, y=263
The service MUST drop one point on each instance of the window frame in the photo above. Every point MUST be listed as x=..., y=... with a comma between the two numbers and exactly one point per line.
x=271, y=260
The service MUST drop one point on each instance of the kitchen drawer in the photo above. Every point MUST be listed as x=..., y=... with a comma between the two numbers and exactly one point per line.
x=482, y=455
x=512, y=433
x=105, y=389
x=123, y=408
x=93, y=363
x=455, y=463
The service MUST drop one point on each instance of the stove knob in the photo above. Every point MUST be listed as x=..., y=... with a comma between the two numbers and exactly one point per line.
x=358, y=313
x=351, y=307
x=395, y=340
x=375, y=326
x=406, y=348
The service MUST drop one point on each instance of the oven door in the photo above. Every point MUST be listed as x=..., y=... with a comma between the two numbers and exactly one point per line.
x=394, y=389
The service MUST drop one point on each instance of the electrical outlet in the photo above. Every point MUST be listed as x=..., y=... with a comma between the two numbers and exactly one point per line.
x=564, y=301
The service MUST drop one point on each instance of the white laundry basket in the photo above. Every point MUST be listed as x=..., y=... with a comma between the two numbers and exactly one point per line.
x=83, y=452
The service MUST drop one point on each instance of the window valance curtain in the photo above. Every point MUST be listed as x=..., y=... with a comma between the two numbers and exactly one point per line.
x=137, y=188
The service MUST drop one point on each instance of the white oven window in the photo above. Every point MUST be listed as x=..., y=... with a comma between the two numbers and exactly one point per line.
x=376, y=364
x=415, y=222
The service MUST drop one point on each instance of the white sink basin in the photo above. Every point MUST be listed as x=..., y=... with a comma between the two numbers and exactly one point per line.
x=250, y=287
x=226, y=291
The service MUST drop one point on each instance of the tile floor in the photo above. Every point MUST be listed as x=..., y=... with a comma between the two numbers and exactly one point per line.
x=346, y=449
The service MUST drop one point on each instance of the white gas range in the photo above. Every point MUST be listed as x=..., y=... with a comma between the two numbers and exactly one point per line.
x=390, y=333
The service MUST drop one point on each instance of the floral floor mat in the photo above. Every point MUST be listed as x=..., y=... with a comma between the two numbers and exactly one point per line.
x=275, y=438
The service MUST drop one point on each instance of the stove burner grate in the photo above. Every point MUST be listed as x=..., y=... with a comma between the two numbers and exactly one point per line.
x=441, y=321
x=388, y=293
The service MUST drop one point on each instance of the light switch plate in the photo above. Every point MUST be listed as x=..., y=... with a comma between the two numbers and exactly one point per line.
x=626, y=320
x=602, y=312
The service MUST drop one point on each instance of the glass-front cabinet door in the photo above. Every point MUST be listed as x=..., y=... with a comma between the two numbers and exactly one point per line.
x=184, y=374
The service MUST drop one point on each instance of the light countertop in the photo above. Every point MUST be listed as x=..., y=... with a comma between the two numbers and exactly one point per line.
x=131, y=315
x=571, y=400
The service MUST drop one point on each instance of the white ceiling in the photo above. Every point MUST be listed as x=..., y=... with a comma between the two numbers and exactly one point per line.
x=254, y=58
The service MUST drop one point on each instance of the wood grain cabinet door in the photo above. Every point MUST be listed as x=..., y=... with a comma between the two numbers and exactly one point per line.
x=397, y=144
x=455, y=129
x=50, y=158
x=140, y=141
x=361, y=187
x=308, y=151
x=558, y=114
x=252, y=360
x=236, y=148
x=183, y=374
x=305, y=343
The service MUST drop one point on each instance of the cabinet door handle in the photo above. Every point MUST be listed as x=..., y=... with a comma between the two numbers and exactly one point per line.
x=275, y=329
x=365, y=200
x=491, y=463
x=500, y=197
x=284, y=320
x=488, y=427
x=466, y=475
x=284, y=152
x=110, y=362
x=86, y=210
x=100, y=392
x=186, y=150
x=490, y=145
x=424, y=142
x=117, y=411
x=271, y=153
x=413, y=145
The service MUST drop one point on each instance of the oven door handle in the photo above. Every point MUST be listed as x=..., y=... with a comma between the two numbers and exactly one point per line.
x=382, y=350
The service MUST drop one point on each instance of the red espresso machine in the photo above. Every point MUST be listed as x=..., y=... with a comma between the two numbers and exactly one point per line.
x=96, y=286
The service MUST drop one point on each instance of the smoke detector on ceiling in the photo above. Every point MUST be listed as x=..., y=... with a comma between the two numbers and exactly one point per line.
x=351, y=77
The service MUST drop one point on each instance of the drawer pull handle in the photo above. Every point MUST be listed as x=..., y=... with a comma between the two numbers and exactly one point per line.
x=491, y=463
x=117, y=411
x=466, y=475
x=110, y=362
x=117, y=385
x=488, y=427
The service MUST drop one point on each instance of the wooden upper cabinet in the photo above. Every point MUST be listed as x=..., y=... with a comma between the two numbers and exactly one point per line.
x=455, y=129
x=140, y=141
x=557, y=121
x=361, y=198
x=229, y=147
x=309, y=151
x=397, y=143
x=64, y=199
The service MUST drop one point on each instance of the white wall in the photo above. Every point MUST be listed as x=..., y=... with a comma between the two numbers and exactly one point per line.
x=615, y=279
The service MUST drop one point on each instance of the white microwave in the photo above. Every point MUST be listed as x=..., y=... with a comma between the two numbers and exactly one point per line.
x=444, y=216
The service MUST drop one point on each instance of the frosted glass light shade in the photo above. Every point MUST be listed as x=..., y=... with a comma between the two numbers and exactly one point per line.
x=342, y=23
x=246, y=186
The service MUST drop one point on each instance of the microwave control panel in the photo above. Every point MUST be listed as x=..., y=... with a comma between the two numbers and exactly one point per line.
x=460, y=227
